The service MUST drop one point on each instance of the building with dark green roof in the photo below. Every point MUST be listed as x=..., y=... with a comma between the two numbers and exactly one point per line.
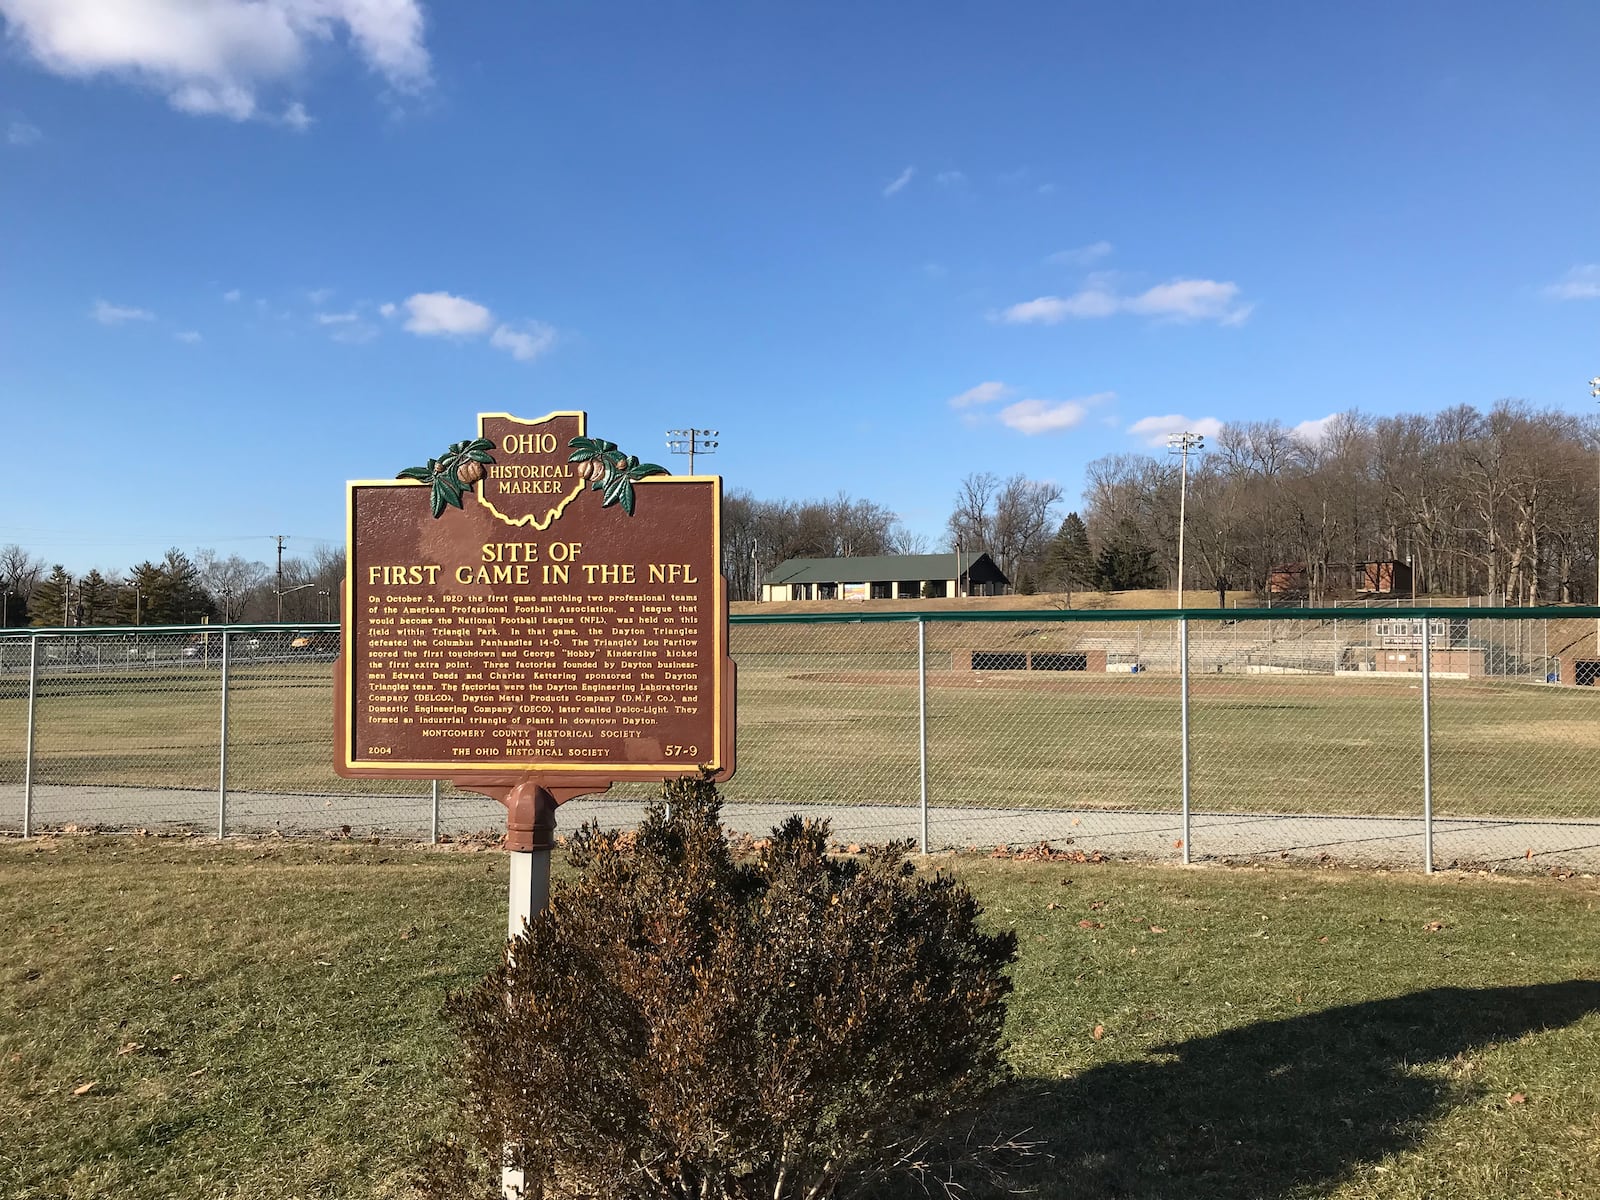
x=885, y=577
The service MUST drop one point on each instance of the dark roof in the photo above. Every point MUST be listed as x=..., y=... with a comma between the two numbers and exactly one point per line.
x=876, y=567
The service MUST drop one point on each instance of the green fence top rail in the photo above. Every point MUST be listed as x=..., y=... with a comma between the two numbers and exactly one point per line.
x=130, y=631
x=1172, y=614
x=1036, y=615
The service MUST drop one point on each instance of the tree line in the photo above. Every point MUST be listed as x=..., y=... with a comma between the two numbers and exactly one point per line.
x=179, y=589
x=1498, y=503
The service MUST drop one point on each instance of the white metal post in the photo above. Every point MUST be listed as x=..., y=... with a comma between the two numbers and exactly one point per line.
x=1427, y=748
x=222, y=754
x=27, y=760
x=922, y=721
x=529, y=895
x=1183, y=709
x=433, y=820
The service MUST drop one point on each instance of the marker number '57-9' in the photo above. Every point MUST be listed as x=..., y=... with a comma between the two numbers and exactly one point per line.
x=682, y=751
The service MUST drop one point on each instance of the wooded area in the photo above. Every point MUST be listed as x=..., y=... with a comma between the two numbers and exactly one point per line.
x=1498, y=503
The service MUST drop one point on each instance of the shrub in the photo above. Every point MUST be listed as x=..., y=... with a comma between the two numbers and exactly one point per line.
x=681, y=1023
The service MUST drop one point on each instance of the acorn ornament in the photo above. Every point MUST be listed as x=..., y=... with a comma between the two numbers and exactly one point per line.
x=450, y=475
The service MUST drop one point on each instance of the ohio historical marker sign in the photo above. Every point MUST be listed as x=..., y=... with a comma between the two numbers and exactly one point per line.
x=535, y=605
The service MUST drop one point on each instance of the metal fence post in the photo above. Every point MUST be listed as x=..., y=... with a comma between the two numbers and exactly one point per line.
x=1183, y=710
x=922, y=722
x=27, y=759
x=433, y=822
x=222, y=753
x=1427, y=747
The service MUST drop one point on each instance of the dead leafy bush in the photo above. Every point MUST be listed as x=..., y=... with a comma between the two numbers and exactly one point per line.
x=683, y=1024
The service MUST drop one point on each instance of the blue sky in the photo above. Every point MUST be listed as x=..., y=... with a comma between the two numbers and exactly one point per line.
x=252, y=250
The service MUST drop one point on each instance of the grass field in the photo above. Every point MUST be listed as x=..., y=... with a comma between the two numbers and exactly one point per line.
x=829, y=715
x=263, y=1021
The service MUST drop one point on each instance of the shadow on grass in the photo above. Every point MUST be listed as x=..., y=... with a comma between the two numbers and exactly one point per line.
x=1265, y=1110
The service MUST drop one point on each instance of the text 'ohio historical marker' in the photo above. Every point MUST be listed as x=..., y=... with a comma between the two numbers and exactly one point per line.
x=508, y=621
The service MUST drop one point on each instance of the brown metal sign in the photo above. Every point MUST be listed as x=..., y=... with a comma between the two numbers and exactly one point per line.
x=535, y=607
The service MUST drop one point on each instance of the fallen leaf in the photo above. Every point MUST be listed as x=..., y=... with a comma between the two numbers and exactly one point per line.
x=130, y=1048
x=1157, y=929
x=1434, y=926
x=1052, y=906
x=1178, y=845
x=407, y=934
x=1514, y=1098
x=1099, y=1032
x=83, y=1089
x=197, y=1074
x=1529, y=854
x=177, y=979
x=1323, y=939
x=1088, y=924
x=853, y=848
x=1075, y=821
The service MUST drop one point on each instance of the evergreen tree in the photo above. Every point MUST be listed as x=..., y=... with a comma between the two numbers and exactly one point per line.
x=1071, y=563
x=133, y=597
x=98, y=596
x=171, y=592
x=48, y=606
x=1127, y=561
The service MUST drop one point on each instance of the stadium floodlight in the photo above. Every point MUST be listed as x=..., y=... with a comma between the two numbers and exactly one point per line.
x=691, y=442
x=1594, y=390
x=1181, y=444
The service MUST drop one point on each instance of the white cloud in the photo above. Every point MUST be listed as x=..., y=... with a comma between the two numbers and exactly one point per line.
x=319, y=295
x=22, y=133
x=1154, y=431
x=387, y=310
x=1191, y=300
x=1179, y=300
x=950, y=178
x=1580, y=283
x=188, y=336
x=984, y=393
x=214, y=57
x=1046, y=416
x=524, y=344
x=900, y=181
x=1313, y=431
x=116, y=314
x=1052, y=310
x=1080, y=256
x=338, y=318
x=440, y=313
x=297, y=118
x=232, y=295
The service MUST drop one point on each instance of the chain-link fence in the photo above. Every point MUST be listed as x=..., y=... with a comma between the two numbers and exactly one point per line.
x=1403, y=735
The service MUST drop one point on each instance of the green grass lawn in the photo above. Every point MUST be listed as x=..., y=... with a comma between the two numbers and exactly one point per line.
x=841, y=727
x=264, y=1021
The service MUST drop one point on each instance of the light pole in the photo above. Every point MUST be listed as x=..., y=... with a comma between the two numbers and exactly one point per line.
x=323, y=592
x=282, y=592
x=1594, y=390
x=1181, y=444
x=691, y=442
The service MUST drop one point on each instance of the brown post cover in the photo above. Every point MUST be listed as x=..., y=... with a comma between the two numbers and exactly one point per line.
x=508, y=624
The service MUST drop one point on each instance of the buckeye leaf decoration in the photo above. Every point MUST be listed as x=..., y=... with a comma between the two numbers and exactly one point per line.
x=453, y=472
x=609, y=471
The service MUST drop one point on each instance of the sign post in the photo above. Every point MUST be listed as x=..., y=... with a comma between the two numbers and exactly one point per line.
x=534, y=615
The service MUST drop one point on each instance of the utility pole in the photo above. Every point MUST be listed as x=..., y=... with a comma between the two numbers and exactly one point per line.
x=691, y=442
x=1181, y=444
x=282, y=537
